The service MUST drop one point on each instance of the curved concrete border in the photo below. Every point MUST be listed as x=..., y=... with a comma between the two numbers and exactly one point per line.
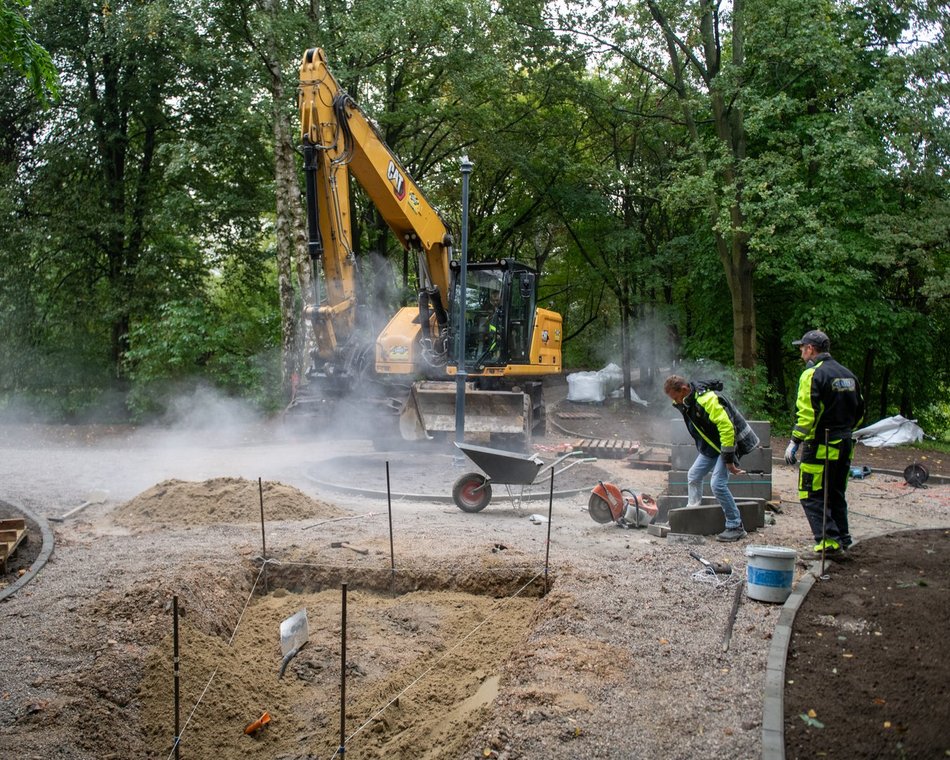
x=432, y=496
x=41, y=559
x=773, y=707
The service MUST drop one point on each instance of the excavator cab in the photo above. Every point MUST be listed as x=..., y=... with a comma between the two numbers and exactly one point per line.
x=509, y=342
x=499, y=312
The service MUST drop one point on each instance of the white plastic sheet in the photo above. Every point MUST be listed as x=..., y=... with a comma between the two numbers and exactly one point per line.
x=891, y=431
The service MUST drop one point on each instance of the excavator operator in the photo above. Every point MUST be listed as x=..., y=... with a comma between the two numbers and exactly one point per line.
x=492, y=344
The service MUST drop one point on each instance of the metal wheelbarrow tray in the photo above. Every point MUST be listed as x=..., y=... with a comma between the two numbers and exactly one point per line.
x=472, y=491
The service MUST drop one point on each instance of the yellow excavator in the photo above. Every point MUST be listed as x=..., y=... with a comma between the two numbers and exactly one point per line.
x=408, y=366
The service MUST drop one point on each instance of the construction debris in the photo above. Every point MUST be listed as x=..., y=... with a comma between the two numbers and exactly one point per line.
x=12, y=534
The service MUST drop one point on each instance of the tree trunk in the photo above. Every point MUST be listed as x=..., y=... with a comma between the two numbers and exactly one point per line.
x=738, y=269
x=731, y=244
x=625, y=358
x=907, y=405
x=885, y=389
x=289, y=228
x=775, y=359
x=734, y=251
x=291, y=243
x=867, y=376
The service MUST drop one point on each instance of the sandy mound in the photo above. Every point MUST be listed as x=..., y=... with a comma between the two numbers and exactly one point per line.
x=220, y=500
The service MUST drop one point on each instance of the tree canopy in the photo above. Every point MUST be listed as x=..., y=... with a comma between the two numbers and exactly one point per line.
x=692, y=179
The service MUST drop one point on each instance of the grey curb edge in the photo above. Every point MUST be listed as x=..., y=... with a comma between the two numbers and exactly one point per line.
x=773, y=703
x=40, y=561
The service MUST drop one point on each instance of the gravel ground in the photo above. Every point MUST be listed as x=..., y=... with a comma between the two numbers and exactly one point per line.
x=623, y=658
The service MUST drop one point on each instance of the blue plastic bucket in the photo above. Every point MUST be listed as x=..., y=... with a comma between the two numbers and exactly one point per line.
x=769, y=573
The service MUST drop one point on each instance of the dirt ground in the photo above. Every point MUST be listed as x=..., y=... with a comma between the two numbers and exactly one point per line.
x=866, y=675
x=452, y=650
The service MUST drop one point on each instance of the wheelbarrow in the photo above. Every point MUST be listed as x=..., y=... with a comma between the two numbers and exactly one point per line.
x=473, y=491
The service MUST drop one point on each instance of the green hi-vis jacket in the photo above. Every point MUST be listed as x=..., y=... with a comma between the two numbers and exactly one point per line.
x=716, y=425
x=829, y=398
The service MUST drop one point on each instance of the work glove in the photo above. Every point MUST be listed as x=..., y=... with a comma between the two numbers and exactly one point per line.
x=791, y=452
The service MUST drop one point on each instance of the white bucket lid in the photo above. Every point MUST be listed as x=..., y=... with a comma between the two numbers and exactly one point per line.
x=779, y=552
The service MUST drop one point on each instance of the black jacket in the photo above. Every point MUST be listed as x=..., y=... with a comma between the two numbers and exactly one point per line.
x=829, y=398
x=715, y=424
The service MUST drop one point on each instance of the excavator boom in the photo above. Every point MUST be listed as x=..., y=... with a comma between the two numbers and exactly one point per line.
x=337, y=129
x=509, y=341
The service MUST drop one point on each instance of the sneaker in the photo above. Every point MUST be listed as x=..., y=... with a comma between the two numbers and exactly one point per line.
x=732, y=534
x=829, y=545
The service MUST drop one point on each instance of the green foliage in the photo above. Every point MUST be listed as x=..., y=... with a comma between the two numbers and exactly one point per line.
x=21, y=51
x=933, y=445
x=136, y=227
x=192, y=343
x=934, y=419
x=758, y=399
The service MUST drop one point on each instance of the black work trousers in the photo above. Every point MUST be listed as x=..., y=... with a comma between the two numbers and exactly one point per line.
x=815, y=476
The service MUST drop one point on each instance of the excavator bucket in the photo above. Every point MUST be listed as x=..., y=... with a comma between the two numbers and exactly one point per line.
x=431, y=409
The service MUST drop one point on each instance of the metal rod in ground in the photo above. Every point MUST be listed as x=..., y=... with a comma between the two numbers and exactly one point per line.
x=177, y=676
x=727, y=637
x=547, y=548
x=392, y=553
x=824, y=507
x=342, y=748
x=260, y=491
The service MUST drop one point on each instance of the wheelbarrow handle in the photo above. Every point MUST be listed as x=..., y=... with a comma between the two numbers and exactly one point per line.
x=561, y=458
x=576, y=461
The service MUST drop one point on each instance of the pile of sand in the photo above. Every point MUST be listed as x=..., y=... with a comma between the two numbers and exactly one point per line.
x=220, y=500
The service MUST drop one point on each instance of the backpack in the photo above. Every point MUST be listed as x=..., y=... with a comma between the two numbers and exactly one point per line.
x=746, y=439
x=708, y=385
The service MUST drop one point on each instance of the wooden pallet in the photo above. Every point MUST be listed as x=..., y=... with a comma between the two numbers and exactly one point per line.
x=578, y=416
x=606, y=449
x=12, y=533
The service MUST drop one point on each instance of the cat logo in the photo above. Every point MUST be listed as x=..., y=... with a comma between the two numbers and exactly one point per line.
x=395, y=176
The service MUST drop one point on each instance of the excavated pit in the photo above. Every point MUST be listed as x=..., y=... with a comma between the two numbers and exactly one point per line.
x=425, y=653
x=427, y=644
x=477, y=579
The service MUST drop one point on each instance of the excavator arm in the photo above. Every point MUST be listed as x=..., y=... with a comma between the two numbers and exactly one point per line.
x=339, y=140
x=508, y=341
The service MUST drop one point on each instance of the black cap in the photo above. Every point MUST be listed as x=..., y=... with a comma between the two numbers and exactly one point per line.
x=814, y=338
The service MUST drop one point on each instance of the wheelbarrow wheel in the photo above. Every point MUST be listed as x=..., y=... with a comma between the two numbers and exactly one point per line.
x=471, y=492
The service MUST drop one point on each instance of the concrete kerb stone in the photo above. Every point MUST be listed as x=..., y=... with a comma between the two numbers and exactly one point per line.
x=773, y=703
x=44, y=555
x=708, y=519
